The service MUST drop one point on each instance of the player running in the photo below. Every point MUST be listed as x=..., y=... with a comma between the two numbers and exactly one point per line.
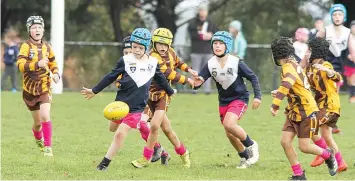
x=323, y=78
x=301, y=109
x=144, y=127
x=137, y=70
x=158, y=100
x=36, y=60
x=228, y=72
x=349, y=68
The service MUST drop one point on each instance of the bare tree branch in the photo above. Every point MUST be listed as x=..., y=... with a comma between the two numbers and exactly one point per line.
x=214, y=8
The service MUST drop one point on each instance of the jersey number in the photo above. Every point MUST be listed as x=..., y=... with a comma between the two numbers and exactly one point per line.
x=305, y=80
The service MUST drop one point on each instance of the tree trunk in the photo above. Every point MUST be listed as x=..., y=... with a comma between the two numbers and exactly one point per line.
x=115, y=14
x=165, y=14
x=5, y=14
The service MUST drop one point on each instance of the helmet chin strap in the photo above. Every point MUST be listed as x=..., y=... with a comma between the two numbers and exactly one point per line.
x=220, y=56
x=33, y=38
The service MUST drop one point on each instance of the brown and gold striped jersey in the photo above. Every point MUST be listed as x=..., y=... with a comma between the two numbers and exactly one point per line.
x=326, y=94
x=168, y=64
x=295, y=86
x=36, y=80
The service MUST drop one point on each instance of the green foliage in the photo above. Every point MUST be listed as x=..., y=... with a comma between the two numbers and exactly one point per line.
x=90, y=20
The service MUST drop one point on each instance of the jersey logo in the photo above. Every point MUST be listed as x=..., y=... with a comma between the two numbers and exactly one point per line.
x=150, y=67
x=214, y=72
x=133, y=69
x=32, y=54
x=229, y=71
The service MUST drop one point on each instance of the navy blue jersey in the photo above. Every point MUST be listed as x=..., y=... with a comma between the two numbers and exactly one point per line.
x=229, y=79
x=10, y=55
x=136, y=78
x=338, y=47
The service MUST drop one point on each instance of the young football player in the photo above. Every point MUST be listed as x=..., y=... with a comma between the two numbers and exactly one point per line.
x=349, y=68
x=341, y=43
x=36, y=60
x=323, y=78
x=301, y=109
x=144, y=128
x=158, y=100
x=228, y=72
x=137, y=70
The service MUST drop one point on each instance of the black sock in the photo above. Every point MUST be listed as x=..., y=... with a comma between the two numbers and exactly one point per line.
x=244, y=154
x=352, y=90
x=247, y=142
x=105, y=161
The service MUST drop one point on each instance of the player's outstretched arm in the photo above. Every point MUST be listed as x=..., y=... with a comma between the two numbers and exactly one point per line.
x=245, y=71
x=202, y=77
x=110, y=77
x=170, y=73
x=287, y=82
x=184, y=67
x=162, y=82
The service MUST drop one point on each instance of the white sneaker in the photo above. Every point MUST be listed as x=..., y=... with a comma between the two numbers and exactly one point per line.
x=253, y=152
x=244, y=164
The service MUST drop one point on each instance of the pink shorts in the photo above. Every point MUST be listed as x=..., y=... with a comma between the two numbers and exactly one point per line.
x=349, y=71
x=132, y=120
x=237, y=107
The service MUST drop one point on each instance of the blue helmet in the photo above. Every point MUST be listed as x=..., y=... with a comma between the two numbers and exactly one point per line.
x=338, y=7
x=141, y=36
x=225, y=37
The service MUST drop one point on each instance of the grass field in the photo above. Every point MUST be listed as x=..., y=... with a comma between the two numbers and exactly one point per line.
x=81, y=138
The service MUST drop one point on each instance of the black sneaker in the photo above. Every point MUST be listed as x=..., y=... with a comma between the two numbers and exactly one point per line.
x=332, y=163
x=299, y=177
x=102, y=167
x=165, y=158
x=157, y=153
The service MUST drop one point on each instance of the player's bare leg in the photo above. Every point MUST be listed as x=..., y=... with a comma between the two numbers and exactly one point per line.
x=156, y=122
x=113, y=126
x=46, y=128
x=152, y=139
x=229, y=124
x=326, y=132
x=286, y=143
x=242, y=151
x=173, y=138
x=158, y=149
x=351, y=83
x=327, y=154
x=116, y=144
x=37, y=129
x=319, y=141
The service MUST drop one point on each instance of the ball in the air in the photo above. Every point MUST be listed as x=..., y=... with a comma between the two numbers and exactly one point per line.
x=116, y=110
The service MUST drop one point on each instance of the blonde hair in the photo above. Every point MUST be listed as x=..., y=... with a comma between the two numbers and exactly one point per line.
x=10, y=34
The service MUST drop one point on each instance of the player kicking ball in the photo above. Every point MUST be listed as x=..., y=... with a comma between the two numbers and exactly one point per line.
x=144, y=127
x=300, y=112
x=228, y=72
x=323, y=79
x=137, y=70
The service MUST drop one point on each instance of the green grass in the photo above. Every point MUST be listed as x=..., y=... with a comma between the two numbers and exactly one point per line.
x=81, y=139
